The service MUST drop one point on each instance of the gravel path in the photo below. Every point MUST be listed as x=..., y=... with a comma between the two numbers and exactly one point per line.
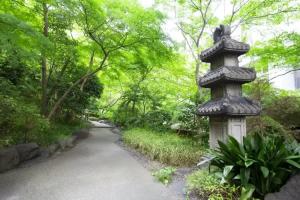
x=96, y=169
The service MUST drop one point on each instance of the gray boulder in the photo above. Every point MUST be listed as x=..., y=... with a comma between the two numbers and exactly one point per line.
x=116, y=130
x=53, y=148
x=62, y=143
x=27, y=151
x=290, y=191
x=81, y=134
x=9, y=158
x=71, y=141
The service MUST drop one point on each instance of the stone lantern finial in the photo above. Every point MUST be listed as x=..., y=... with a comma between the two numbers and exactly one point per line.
x=227, y=108
x=221, y=32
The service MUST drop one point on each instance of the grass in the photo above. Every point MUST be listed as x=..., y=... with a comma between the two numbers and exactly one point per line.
x=208, y=186
x=164, y=175
x=166, y=147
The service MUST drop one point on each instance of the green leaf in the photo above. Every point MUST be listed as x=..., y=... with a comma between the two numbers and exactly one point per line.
x=244, y=174
x=249, y=162
x=293, y=157
x=265, y=171
x=237, y=177
x=247, y=192
x=227, y=170
x=293, y=163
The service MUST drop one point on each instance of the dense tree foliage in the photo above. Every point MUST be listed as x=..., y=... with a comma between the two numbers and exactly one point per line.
x=64, y=60
x=55, y=53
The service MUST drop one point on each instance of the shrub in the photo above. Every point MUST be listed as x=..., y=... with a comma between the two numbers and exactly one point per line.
x=285, y=110
x=158, y=120
x=58, y=130
x=165, y=147
x=260, y=165
x=185, y=115
x=164, y=175
x=266, y=126
x=207, y=186
x=20, y=121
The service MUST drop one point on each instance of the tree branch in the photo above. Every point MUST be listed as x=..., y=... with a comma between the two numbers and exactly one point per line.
x=292, y=70
x=66, y=93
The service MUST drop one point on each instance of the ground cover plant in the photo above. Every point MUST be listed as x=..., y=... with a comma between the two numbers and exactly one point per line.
x=207, y=186
x=164, y=175
x=166, y=147
x=260, y=165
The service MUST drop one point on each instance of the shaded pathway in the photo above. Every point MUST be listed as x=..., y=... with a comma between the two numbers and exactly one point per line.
x=96, y=169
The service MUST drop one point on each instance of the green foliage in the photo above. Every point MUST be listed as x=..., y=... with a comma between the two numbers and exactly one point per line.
x=280, y=51
x=165, y=147
x=140, y=108
x=186, y=115
x=79, y=100
x=280, y=109
x=20, y=121
x=285, y=109
x=59, y=131
x=266, y=126
x=164, y=175
x=261, y=165
x=74, y=40
x=207, y=186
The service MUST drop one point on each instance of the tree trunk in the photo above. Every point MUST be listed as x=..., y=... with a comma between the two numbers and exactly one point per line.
x=66, y=93
x=197, y=71
x=44, y=63
x=90, y=67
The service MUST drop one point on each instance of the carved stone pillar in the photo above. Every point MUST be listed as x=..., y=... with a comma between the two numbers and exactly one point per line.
x=227, y=108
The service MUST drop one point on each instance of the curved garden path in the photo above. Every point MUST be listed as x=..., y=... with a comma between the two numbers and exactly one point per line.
x=95, y=169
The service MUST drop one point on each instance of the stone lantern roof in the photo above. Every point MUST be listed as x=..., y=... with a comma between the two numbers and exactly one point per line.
x=230, y=106
x=226, y=77
x=226, y=74
x=225, y=45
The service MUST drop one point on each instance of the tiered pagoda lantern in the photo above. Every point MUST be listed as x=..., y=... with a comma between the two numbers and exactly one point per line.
x=227, y=108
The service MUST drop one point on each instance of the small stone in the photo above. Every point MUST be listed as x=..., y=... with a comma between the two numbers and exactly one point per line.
x=9, y=158
x=27, y=151
x=71, y=141
x=81, y=134
x=53, y=148
x=62, y=143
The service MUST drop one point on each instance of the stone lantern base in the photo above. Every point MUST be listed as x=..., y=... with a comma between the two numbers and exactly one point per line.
x=221, y=127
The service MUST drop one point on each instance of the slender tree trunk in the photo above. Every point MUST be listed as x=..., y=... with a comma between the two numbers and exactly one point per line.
x=66, y=93
x=52, y=91
x=197, y=71
x=44, y=63
x=90, y=67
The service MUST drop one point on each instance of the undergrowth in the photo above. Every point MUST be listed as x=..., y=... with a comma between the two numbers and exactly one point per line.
x=44, y=135
x=59, y=131
x=207, y=186
x=166, y=147
x=164, y=175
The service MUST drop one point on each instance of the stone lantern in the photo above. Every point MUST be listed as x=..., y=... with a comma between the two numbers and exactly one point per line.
x=227, y=108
